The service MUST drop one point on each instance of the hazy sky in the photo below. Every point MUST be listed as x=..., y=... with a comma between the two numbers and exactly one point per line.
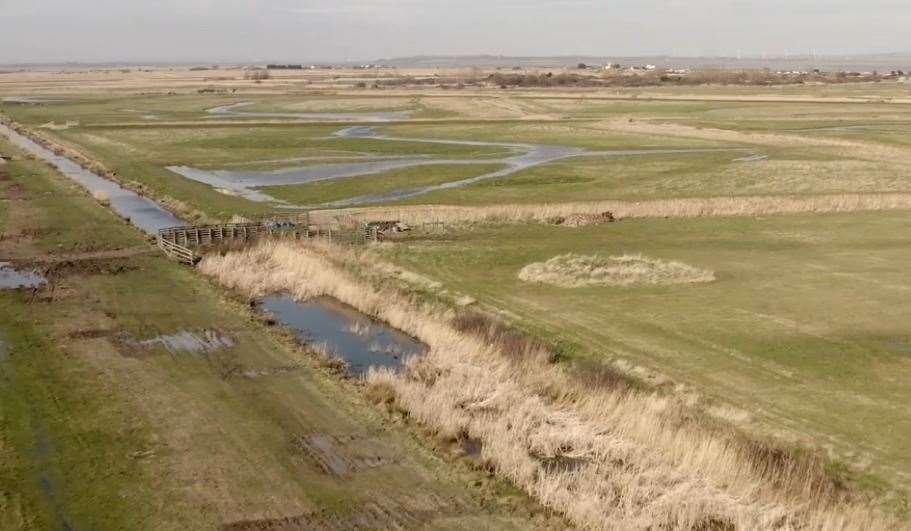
x=305, y=30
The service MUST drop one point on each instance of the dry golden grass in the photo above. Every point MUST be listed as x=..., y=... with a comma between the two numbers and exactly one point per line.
x=687, y=207
x=576, y=271
x=102, y=197
x=606, y=456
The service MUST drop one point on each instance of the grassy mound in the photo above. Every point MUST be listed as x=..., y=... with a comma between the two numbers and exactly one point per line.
x=575, y=271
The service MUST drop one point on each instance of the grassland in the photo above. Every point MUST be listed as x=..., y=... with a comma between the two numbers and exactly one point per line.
x=803, y=306
x=98, y=432
x=818, y=160
x=802, y=336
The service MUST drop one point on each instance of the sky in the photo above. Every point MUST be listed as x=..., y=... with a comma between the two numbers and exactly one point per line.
x=48, y=31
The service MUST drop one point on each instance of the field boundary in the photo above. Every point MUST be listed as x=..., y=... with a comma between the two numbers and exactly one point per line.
x=657, y=208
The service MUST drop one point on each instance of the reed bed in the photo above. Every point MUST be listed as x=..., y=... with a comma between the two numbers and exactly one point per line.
x=603, y=453
x=686, y=207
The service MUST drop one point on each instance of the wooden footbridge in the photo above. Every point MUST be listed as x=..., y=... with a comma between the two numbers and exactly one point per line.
x=183, y=243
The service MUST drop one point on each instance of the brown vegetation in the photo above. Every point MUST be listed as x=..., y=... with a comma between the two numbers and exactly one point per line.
x=606, y=455
x=575, y=271
x=686, y=207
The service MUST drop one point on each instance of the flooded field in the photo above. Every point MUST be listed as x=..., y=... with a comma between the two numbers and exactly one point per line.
x=140, y=211
x=347, y=333
x=253, y=185
x=11, y=278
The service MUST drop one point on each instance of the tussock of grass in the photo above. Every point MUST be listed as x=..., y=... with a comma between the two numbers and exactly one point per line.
x=606, y=455
x=576, y=271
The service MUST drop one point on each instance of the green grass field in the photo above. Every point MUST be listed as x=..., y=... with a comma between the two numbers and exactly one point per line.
x=187, y=136
x=333, y=190
x=99, y=433
x=805, y=328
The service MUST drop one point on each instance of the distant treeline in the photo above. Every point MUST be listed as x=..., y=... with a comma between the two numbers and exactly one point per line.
x=697, y=77
x=635, y=78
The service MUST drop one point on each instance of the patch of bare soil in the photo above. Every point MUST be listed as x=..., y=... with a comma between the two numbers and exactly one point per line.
x=90, y=333
x=414, y=513
x=68, y=267
x=255, y=374
x=9, y=190
x=342, y=455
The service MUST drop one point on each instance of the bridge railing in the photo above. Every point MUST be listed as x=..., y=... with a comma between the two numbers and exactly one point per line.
x=179, y=242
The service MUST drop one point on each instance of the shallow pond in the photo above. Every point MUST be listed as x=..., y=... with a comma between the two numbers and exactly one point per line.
x=347, y=333
x=12, y=278
x=141, y=211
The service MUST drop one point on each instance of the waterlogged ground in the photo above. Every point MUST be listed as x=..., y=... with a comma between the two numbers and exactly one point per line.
x=13, y=278
x=254, y=185
x=520, y=148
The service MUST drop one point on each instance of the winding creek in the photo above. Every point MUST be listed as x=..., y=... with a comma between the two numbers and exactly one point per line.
x=249, y=184
x=234, y=111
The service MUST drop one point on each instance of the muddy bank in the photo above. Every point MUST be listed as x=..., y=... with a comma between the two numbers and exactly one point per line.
x=347, y=334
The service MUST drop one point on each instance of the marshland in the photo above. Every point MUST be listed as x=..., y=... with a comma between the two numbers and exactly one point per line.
x=609, y=307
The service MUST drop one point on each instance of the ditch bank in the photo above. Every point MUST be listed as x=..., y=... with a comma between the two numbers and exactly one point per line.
x=128, y=200
x=604, y=454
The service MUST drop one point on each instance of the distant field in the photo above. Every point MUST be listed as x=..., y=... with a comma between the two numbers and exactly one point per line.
x=806, y=326
x=141, y=152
